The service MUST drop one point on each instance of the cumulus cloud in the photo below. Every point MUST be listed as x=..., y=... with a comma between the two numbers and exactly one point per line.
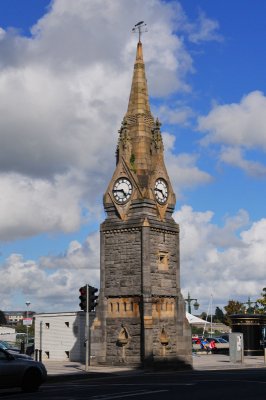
x=238, y=128
x=235, y=156
x=226, y=262
x=242, y=124
x=176, y=114
x=64, y=92
x=205, y=29
x=182, y=168
x=51, y=282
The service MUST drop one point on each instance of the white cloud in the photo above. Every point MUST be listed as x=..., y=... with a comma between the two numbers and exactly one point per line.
x=52, y=282
x=227, y=261
x=177, y=114
x=64, y=92
x=238, y=124
x=235, y=157
x=31, y=206
x=182, y=168
x=238, y=128
x=204, y=30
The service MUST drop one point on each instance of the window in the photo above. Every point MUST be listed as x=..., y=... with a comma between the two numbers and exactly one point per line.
x=163, y=260
x=67, y=324
x=47, y=325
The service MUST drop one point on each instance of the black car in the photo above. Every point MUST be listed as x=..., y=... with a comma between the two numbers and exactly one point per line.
x=17, y=370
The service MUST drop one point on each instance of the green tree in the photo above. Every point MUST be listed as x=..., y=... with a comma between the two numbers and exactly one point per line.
x=233, y=307
x=219, y=315
x=3, y=320
x=203, y=315
x=262, y=301
x=20, y=328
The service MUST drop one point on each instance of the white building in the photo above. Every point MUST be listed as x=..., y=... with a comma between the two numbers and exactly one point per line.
x=7, y=334
x=61, y=336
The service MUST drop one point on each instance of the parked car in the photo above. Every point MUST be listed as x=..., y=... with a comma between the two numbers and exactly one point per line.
x=216, y=339
x=225, y=337
x=19, y=370
x=7, y=346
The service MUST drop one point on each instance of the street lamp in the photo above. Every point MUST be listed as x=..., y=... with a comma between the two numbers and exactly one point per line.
x=27, y=315
x=249, y=309
x=189, y=300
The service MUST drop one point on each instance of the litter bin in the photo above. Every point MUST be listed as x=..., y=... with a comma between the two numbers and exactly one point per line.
x=251, y=325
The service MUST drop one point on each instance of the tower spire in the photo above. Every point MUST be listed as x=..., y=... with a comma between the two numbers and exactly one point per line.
x=139, y=153
x=139, y=97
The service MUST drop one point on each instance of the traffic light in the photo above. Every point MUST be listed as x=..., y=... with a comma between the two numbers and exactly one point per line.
x=92, y=298
x=83, y=298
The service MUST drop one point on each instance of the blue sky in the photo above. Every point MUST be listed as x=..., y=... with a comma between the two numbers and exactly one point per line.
x=65, y=75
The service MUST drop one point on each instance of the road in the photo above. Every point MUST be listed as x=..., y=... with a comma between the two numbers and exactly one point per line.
x=198, y=385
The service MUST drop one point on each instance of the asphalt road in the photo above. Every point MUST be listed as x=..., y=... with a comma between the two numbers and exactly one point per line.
x=218, y=385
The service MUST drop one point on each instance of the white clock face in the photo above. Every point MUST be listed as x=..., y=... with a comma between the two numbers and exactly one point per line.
x=161, y=191
x=122, y=190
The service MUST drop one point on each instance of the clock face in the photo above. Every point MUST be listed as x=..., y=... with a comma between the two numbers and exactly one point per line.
x=122, y=190
x=161, y=191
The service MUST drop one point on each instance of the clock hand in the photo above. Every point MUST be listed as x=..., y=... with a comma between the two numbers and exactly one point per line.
x=120, y=190
x=159, y=190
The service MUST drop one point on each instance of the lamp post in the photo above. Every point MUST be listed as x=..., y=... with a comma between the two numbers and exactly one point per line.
x=249, y=309
x=27, y=315
x=189, y=300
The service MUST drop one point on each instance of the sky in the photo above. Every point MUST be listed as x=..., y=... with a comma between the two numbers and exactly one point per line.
x=65, y=75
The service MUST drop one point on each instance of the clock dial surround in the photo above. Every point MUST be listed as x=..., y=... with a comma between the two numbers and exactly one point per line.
x=122, y=190
x=161, y=191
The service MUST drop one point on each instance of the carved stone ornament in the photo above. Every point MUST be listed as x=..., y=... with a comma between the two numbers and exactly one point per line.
x=164, y=339
x=123, y=337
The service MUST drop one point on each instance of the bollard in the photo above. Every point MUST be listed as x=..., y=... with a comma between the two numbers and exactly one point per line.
x=264, y=355
x=22, y=347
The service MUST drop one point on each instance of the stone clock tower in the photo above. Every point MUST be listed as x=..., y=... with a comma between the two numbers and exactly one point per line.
x=141, y=313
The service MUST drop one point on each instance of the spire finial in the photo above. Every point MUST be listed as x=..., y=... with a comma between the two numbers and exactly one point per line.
x=140, y=27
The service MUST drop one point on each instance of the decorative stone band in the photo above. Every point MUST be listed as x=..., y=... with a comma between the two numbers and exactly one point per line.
x=129, y=307
x=139, y=66
x=123, y=307
x=132, y=119
x=166, y=231
x=121, y=230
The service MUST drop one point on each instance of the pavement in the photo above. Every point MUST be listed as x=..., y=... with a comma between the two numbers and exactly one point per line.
x=60, y=370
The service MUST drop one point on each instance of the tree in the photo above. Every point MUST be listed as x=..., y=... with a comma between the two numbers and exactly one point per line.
x=262, y=301
x=2, y=318
x=219, y=315
x=233, y=307
x=203, y=315
x=20, y=328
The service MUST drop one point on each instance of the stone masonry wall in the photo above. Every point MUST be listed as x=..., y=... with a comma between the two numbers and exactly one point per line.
x=123, y=260
x=164, y=272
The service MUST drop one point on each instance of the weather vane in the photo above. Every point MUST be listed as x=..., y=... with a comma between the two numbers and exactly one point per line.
x=140, y=27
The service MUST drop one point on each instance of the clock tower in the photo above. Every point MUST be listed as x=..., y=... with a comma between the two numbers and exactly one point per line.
x=140, y=317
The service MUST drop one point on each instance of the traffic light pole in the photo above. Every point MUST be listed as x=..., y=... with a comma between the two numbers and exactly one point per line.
x=87, y=330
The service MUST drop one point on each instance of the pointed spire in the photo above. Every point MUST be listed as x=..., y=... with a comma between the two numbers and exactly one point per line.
x=139, y=98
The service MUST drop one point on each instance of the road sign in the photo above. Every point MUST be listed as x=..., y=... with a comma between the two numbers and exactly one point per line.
x=27, y=321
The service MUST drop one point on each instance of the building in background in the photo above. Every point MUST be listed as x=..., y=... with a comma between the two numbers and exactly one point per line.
x=16, y=317
x=60, y=336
